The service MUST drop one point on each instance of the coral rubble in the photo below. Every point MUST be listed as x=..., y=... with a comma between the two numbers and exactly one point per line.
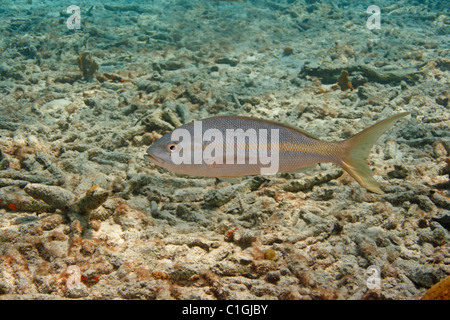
x=83, y=215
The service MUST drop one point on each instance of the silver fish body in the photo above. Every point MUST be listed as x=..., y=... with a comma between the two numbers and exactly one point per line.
x=256, y=146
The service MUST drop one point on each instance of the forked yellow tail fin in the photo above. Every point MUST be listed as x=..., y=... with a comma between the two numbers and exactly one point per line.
x=357, y=149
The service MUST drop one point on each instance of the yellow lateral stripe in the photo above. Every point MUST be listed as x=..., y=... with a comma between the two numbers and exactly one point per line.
x=320, y=148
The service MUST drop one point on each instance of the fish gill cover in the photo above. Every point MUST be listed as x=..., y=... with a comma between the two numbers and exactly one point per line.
x=87, y=87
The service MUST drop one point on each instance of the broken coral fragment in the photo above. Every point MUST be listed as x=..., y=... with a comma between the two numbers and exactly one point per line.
x=56, y=197
x=15, y=201
x=344, y=82
x=65, y=200
x=92, y=199
x=87, y=65
x=328, y=74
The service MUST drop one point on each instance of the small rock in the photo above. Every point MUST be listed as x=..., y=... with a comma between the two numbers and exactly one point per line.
x=172, y=65
x=148, y=86
x=439, y=150
x=423, y=223
x=273, y=276
x=425, y=276
x=442, y=100
x=391, y=150
x=399, y=172
x=155, y=123
x=230, y=61
x=184, y=212
x=92, y=199
x=149, y=137
x=443, y=221
x=94, y=224
x=78, y=291
x=218, y=197
x=244, y=238
x=170, y=117
x=424, y=203
x=245, y=259
x=288, y=51
x=364, y=92
x=4, y=70
x=270, y=254
x=436, y=237
x=51, y=222
x=76, y=227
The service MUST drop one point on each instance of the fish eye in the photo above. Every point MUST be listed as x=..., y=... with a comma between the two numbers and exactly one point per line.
x=172, y=147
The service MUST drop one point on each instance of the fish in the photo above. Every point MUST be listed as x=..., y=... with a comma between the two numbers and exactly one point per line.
x=232, y=146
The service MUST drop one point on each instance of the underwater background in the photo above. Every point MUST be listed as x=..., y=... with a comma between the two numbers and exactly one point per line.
x=87, y=86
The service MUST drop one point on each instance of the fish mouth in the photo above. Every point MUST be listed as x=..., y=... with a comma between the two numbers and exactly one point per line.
x=155, y=159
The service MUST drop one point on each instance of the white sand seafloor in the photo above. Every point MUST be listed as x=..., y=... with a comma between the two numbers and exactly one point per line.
x=316, y=234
